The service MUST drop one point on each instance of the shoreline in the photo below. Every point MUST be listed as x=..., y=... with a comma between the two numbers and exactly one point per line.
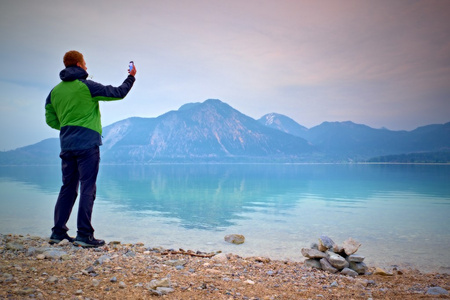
x=30, y=267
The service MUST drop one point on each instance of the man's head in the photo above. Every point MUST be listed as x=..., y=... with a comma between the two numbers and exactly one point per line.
x=74, y=58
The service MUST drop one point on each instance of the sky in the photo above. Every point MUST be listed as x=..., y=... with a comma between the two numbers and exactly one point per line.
x=383, y=63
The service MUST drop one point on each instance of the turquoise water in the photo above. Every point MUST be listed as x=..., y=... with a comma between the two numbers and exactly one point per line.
x=399, y=213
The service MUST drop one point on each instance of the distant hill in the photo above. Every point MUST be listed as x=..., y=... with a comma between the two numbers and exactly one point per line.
x=350, y=141
x=45, y=152
x=213, y=131
x=417, y=158
x=283, y=123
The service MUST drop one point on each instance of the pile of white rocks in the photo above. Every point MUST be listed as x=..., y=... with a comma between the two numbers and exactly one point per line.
x=333, y=258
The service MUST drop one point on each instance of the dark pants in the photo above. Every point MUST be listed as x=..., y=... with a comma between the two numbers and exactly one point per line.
x=79, y=167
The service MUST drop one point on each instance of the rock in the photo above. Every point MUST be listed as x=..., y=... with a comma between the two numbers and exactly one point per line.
x=54, y=254
x=95, y=282
x=265, y=260
x=122, y=285
x=248, y=281
x=380, y=271
x=14, y=246
x=40, y=257
x=325, y=243
x=130, y=253
x=359, y=267
x=114, y=279
x=102, y=259
x=78, y=292
x=31, y=251
x=338, y=249
x=350, y=246
x=155, y=292
x=313, y=253
x=220, y=258
x=66, y=257
x=52, y=279
x=165, y=290
x=326, y=266
x=337, y=261
x=355, y=258
x=349, y=272
x=155, y=283
x=25, y=291
x=436, y=290
x=313, y=263
x=235, y=239
x=64, y=242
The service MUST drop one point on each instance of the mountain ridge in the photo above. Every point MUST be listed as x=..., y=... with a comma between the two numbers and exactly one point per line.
x=213, y=131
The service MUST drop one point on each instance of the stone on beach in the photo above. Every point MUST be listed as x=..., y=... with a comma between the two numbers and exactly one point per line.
x=325, y=243
x=330, y=257
x=220, y=258
x=359, y=267
x=436, y=290
x=337, y=261
x=350, y=246
x=313, y=263
x=355, y=258
x=235, y=239
x=380, y=271
x=349, y=272
x=326, y=266
x=313, y=253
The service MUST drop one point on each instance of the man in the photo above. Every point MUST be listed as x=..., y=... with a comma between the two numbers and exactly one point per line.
x=72, y=107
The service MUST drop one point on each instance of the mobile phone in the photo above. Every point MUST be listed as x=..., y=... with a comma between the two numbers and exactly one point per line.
x=130, y=66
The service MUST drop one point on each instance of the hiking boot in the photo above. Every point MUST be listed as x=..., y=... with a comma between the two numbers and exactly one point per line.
x=88, y=241
x=57, y=238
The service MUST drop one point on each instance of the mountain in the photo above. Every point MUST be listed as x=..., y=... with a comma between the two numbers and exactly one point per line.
x=42, y=153
x=347, y=140
x=210, y=131
x=283, y=123
x=213, y=131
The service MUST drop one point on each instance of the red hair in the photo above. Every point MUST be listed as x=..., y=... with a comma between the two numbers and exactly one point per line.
x=71, y=58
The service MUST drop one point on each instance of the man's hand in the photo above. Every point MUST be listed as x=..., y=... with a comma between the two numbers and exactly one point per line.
x=133, y=71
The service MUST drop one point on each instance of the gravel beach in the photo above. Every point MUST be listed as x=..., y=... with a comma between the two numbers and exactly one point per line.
x=32, y=268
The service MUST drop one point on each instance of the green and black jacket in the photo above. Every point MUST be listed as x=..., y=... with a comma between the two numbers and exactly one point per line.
x=72, y=107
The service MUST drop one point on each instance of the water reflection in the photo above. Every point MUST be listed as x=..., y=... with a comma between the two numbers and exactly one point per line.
x=214, y=197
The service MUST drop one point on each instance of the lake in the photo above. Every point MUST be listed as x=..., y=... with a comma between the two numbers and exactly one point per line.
x=399, y=213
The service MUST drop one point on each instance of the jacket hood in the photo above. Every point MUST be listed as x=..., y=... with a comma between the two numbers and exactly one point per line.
x=72, y=73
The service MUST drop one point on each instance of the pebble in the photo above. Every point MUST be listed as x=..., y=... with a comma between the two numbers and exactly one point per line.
x=14, y=246
x=235, y=239
x=349, y=272
x=52, y=279
x=54, y=254
x=231, y=275
x=95, y=282
x=436, y=290
x=220, y=258
x=380, y=271
x=78, y=292
x=155, y=283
